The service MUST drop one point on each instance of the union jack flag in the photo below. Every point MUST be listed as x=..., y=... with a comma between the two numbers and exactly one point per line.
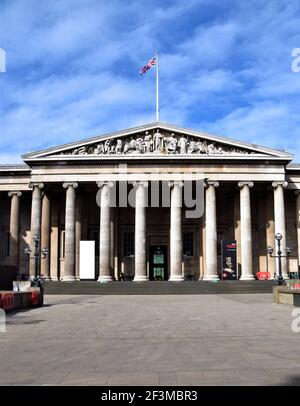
x=149, y=65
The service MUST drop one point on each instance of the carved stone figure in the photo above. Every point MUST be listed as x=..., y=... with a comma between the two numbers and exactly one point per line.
x=80, y=151
x=130, y=146
x=213, y=150
x=140, y=145
x=191, y=147
x=119, y=146
x=106, y=148
x=99, y=149
x=182, y=145
x=170, y=144
x=157, y=139
x=148, y=143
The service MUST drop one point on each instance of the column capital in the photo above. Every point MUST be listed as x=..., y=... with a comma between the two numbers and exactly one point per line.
x=213, y=183
x=140, y=183
x=276, y=184
x=173, y=183
x=105, y=183
x=14, y=193
x=33, y=185
x=242, y=184
x=74, y=185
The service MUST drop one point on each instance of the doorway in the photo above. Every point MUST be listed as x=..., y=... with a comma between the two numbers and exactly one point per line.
x=158, y=263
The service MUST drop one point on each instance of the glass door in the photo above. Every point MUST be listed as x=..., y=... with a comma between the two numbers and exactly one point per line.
x=158, y=262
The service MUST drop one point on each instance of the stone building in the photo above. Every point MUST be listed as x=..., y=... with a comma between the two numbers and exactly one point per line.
x=251, y=193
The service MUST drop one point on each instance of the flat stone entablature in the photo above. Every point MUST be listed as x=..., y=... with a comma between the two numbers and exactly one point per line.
x=233, y=172
x=249, y=195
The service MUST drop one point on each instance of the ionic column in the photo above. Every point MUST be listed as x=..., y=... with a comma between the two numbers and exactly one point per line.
x=54, y=236
x=14, y=228
x=176, y=232
x=78, y=232
x=246, y=231
x=297, y=193
x=45, y=238
x=140, y=232
x=280, y=227
x=36, y=208
x=270, y=231
x=104, y=254
x=70, y=251
x=211, y=269
x=237, y=231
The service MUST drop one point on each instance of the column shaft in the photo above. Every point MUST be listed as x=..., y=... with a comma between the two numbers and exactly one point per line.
x=280, y=226
x=237, y=232
x=36, y=208
x=45, y=238
x=104, y=254
x=246, y=231
x=211, y=269
x=140, y=232
x=54, y=247
x=270, y=232
x=14, y=228
x=78, y=232
x=70, y=252
x=176, y=233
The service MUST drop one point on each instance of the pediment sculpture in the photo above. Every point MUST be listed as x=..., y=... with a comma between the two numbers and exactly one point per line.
x=157, y=144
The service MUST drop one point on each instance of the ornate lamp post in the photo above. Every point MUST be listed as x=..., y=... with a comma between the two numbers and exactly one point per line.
x=37, y=255
x=279, y=255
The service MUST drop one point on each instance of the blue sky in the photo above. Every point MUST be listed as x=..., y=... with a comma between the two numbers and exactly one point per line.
x=72, y=69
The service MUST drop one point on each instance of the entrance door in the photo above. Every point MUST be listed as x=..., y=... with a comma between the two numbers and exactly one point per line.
x=158, y=263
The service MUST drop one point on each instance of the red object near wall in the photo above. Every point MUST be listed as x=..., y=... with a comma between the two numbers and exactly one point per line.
x=263, y=276
x=35, y=298
x=7, y=300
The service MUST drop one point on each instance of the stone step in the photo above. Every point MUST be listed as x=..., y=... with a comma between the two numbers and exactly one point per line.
x=157, y=288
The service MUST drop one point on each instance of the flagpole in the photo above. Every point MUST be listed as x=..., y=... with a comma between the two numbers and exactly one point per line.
x=157, y=88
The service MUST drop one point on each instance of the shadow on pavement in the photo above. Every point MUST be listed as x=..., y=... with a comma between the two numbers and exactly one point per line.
x=292, y=381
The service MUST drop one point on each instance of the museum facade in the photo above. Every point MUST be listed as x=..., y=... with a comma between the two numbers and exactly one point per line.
x=64, y=195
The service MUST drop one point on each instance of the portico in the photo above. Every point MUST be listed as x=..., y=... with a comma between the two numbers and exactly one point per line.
x=67, y=194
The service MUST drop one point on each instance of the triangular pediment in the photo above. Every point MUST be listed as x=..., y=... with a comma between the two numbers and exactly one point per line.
x=157, y=140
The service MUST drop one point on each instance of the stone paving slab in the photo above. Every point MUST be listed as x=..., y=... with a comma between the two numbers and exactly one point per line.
x=152, y=340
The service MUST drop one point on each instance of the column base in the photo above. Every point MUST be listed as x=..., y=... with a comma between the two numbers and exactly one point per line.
x=140, y=278
x=247, y=278
x=176, y=278
x=69, y=278
x=211, y=278
x=105, y=278
x=54, y=279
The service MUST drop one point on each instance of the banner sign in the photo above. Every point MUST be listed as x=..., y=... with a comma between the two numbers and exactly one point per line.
x=229, y=260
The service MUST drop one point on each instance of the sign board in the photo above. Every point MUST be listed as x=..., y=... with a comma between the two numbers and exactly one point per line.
x=87, y=260
x=229, y=259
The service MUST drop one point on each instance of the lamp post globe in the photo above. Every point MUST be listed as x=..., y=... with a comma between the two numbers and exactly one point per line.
x=279, y=256
x=37, y=255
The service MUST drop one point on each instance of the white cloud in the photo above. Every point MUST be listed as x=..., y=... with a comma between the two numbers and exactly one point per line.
x=262, y=124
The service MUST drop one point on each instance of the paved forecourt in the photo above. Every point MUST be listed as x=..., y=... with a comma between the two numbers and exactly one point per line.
x=152, y=340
